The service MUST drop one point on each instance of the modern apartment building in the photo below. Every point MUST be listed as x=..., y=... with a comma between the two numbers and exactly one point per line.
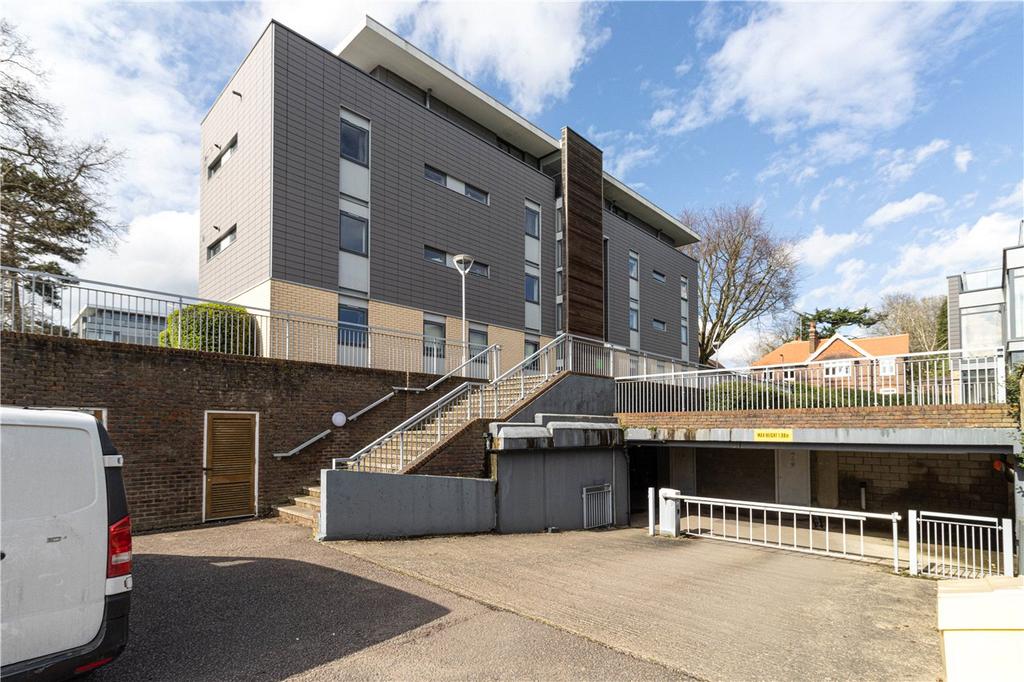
x=341, y=186
x=986, y=308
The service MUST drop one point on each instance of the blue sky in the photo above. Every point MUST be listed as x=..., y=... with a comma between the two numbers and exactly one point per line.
x=887, y=140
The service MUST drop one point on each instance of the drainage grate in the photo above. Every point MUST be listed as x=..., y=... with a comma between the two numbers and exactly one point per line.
x=597, y=506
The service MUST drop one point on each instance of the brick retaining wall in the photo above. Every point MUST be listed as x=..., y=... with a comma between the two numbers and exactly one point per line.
x=894, y=417
x=156, y=398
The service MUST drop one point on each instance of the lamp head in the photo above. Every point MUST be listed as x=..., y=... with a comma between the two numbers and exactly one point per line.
x=463, y=262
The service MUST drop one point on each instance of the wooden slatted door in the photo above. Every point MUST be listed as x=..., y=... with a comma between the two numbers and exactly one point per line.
x=230, y=465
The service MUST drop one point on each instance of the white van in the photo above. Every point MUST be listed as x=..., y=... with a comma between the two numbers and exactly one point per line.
x=65, y=545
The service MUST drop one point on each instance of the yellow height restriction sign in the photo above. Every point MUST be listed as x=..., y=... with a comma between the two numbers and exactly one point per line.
x=773, y=435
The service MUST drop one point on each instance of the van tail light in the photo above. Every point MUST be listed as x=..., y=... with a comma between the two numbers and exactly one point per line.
x=119, y=548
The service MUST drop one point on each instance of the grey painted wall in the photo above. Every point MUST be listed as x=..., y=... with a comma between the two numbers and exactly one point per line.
x=538, y=489
x=407, y=211
x=657, y=300
x=572, y=394
x=360, y=505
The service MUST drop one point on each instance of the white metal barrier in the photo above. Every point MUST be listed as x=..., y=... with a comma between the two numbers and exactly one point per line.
x=954, y=377
x=597, y=506
x=813, y=530
x=959, y=546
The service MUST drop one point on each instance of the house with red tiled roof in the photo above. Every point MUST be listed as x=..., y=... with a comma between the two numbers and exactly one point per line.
x=872, y=363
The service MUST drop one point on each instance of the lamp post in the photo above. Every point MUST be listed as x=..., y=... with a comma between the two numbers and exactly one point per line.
x=463, y=263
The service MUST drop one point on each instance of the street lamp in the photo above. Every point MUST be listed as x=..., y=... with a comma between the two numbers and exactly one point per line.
x=463, y=263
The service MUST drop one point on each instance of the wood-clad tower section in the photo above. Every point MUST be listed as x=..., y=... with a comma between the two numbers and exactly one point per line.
x=583, y=201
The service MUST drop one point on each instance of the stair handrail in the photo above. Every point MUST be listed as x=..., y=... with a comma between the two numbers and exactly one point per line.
x=533, y=356
x=433, y=407
x=437, y=382
x=299, y=448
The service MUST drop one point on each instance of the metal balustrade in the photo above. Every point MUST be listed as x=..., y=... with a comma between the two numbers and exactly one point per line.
x=40, y=303
x=597, y=506
x=812, y=530
x=956, y=377
x=959, y=546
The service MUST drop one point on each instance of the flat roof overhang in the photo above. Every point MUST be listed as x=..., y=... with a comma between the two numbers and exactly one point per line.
x=372, y=44
x=996, y=441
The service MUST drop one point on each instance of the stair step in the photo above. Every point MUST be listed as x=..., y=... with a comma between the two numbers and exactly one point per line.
x=292, y=513
x=312, y=491
x=308, y=502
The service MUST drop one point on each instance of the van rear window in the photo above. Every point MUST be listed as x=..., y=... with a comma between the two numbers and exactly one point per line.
x=47, y=471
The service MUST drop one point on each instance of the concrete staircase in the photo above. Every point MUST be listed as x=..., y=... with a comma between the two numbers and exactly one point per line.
x=303, y=510
x=401, y=449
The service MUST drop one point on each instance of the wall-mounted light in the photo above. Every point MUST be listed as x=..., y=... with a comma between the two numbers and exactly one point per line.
x=339, y=419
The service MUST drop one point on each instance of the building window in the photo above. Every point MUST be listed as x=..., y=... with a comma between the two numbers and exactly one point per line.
x=634, y=319
x=224, y=242
x=435, y=175
x=354, y=232
x=839, y=369
x=684, y=288
x=658, y=276
x=352, y=329
x=477, y=194
x=1017, y=301
x=634, y=265
x=981, y=328
x=222, y=157
x=559, y=317
x=684, y=333
x=559, y=254
x=531, y=221
x=355, y=143
x=481, y=269
x=435, y=255
x=559, y=283
x=659, y=325
x=477, y=343
x=532, y=289
x=530, y=347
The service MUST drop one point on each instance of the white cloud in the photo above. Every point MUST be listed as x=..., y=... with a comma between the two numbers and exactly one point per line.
x=683, y=67
x=962, y=157
x=1014, y=201
x=531, y=48
x=628, y=159
x=819, y=64
x=897, y=165
x=923, y=264
x=820, y=248
x=824, y=192
x=160, y=251
x=896, y=211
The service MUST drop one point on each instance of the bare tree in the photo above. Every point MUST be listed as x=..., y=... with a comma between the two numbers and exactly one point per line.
x=52, y=197
x=917, y=316
x=746, y=271
x=53, y=202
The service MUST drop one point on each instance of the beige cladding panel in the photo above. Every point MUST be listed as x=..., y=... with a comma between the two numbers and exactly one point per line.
x=239, y=193
x=511, y=342
x=399, y=318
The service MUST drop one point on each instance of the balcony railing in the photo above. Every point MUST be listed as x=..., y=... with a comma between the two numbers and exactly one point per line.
x=41, y=303
x=958, y=377
x=982, y=279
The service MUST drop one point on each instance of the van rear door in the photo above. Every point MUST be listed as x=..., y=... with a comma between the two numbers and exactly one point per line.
x=54, y=532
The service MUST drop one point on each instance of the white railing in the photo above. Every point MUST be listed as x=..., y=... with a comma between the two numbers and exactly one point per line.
x=406, y=442
x=812, y=530
x=597, y=506
x=953, y=377
x=959, y=546
x=40, y=303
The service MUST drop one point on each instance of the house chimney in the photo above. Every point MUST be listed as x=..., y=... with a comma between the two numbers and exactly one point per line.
x=812, y=335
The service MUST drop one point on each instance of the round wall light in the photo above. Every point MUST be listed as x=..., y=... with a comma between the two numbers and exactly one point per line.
x=339, y=419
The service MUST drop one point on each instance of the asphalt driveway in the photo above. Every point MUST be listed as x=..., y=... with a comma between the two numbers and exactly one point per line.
x=260, y=600
x=701, y=607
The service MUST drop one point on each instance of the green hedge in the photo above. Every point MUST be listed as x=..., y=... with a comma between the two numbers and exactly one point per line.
x=214, y=327
x=745, y=395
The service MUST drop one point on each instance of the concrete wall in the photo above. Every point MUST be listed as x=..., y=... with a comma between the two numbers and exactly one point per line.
x=358, y=505
x=538, y=489
x=573, y=394
x=736, y=474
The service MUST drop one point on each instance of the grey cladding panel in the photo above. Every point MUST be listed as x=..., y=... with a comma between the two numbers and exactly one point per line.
x=407, y=211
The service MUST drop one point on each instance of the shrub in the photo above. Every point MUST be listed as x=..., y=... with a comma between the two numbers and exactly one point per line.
x=743, y=395
x=215, y=327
